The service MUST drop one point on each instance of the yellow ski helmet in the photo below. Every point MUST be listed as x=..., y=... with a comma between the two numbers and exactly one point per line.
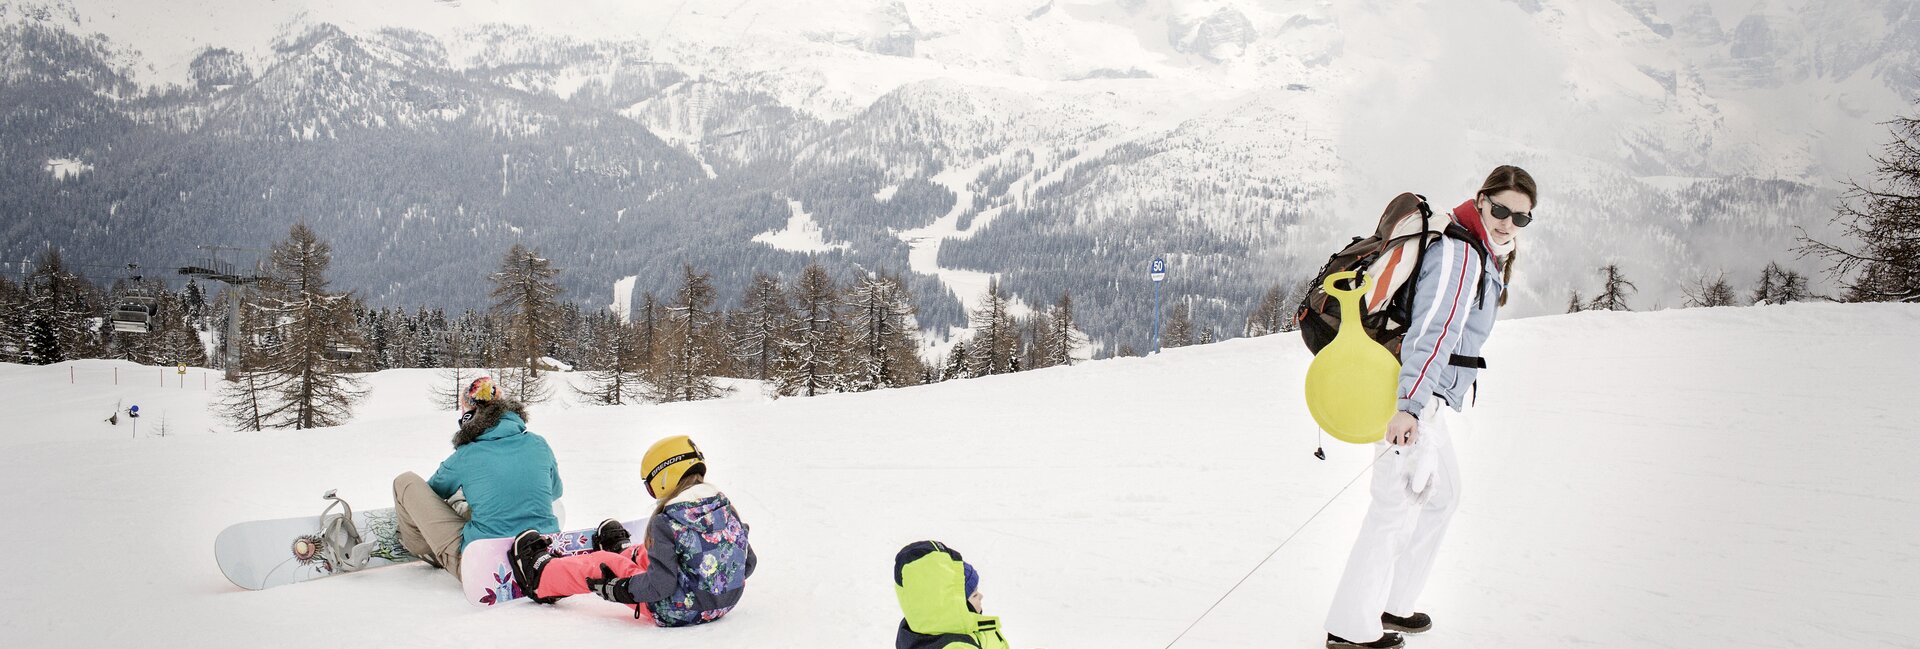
x=667, y=461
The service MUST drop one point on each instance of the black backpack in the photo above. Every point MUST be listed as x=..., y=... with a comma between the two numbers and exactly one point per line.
x=1392, y=256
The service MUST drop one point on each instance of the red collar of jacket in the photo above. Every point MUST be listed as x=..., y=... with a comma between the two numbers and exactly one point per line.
x=1468, y=217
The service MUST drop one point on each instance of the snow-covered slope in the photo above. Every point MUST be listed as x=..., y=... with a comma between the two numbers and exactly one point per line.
x=1701, y=478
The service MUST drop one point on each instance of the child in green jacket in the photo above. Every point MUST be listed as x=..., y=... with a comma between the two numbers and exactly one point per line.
x=940, y=596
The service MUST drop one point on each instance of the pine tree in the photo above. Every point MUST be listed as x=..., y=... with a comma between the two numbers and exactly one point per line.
x=763, y=320
x=448, y=384
x=1179, y=332
x=1063, y=335
x=377, y=338
x=649, y=323
x=1613, y=291
x=814, y=354
x=217, y=325
x=995, y=338
x=243, y=402
x=430, y=346
x=409, y=336
x=484, y=340
x=295, y=375
x=691, y=350
x=60, y=306
x=459, y=349
x=885, y=337
x=1273, y=315
x=195, y=301
x=1780, y=286
x=1015, y=362
x=1036, y=351
x=956, y=365
x=1884, y=217
x=1768, y=289
x=1709, y=293
x=1793, y=287
x=525, y=384
x=177, y=340
x=43, y=342
x=13, y=323
x=571, y=338
x=619, y=380
x=526, y=296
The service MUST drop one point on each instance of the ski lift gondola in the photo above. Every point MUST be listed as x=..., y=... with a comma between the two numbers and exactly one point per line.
x=134, y=315
x=343, y=352
x=136, y=310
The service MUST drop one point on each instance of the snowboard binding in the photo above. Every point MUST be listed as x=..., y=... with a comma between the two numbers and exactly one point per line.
x=528, y=558
x=338, y=546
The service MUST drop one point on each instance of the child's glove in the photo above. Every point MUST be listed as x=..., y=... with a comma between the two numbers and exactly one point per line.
x=459, y=504
x=610, y=588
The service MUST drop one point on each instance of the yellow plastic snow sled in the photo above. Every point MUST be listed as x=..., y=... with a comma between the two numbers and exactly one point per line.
x=1351, y=383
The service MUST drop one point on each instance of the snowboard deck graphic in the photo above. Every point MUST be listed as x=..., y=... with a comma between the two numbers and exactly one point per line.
x=487, y=578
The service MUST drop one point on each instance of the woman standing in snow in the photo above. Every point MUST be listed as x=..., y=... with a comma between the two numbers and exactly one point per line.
x=1416, y=488
x=506, y=473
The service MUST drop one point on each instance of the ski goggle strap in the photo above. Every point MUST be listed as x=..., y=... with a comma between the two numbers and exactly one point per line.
x=662, y=466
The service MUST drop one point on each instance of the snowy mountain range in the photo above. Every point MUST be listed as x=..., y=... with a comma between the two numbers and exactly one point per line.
x=1059, y=144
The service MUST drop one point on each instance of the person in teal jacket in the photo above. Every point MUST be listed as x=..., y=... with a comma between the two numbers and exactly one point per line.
x=503, y=476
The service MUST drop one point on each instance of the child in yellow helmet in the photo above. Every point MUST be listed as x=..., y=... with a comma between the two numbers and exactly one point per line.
x=690, y=567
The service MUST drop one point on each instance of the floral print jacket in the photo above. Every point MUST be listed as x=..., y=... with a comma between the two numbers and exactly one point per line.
x=698, y=559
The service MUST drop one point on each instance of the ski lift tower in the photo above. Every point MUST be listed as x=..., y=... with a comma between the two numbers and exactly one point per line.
x=220, y=271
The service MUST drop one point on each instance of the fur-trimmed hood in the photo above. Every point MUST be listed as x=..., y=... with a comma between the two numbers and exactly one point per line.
x=485, y=419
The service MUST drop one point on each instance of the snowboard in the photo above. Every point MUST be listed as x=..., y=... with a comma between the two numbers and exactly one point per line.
x=487, y=577
x=257, y=555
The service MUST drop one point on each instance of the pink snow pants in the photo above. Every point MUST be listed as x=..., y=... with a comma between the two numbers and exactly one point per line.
x=568, y=575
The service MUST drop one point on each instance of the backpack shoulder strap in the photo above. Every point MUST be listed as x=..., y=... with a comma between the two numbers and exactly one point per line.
x=1456, y=231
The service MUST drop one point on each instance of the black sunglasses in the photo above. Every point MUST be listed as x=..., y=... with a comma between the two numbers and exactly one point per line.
x=1500, y=212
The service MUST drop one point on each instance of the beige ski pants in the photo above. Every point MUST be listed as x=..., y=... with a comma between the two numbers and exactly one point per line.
x=429, y=527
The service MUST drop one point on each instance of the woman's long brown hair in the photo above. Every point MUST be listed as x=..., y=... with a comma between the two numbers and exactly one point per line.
x=1510, y=178
x=693, y=476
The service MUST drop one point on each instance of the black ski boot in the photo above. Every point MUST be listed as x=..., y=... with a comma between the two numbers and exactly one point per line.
x=528, y=557
x=1386, y=641
x=611, y=536
x=1416, y=623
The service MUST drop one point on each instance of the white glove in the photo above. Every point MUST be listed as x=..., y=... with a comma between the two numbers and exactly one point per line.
x=1421, y=463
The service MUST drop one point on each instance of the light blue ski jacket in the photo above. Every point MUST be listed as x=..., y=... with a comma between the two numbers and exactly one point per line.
x=510, y=479
x=1450, y=319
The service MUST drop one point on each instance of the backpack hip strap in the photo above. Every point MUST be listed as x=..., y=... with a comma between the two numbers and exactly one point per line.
x=1474, y=362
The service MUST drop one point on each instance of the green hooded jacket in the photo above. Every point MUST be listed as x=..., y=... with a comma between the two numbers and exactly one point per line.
x=931, y=583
